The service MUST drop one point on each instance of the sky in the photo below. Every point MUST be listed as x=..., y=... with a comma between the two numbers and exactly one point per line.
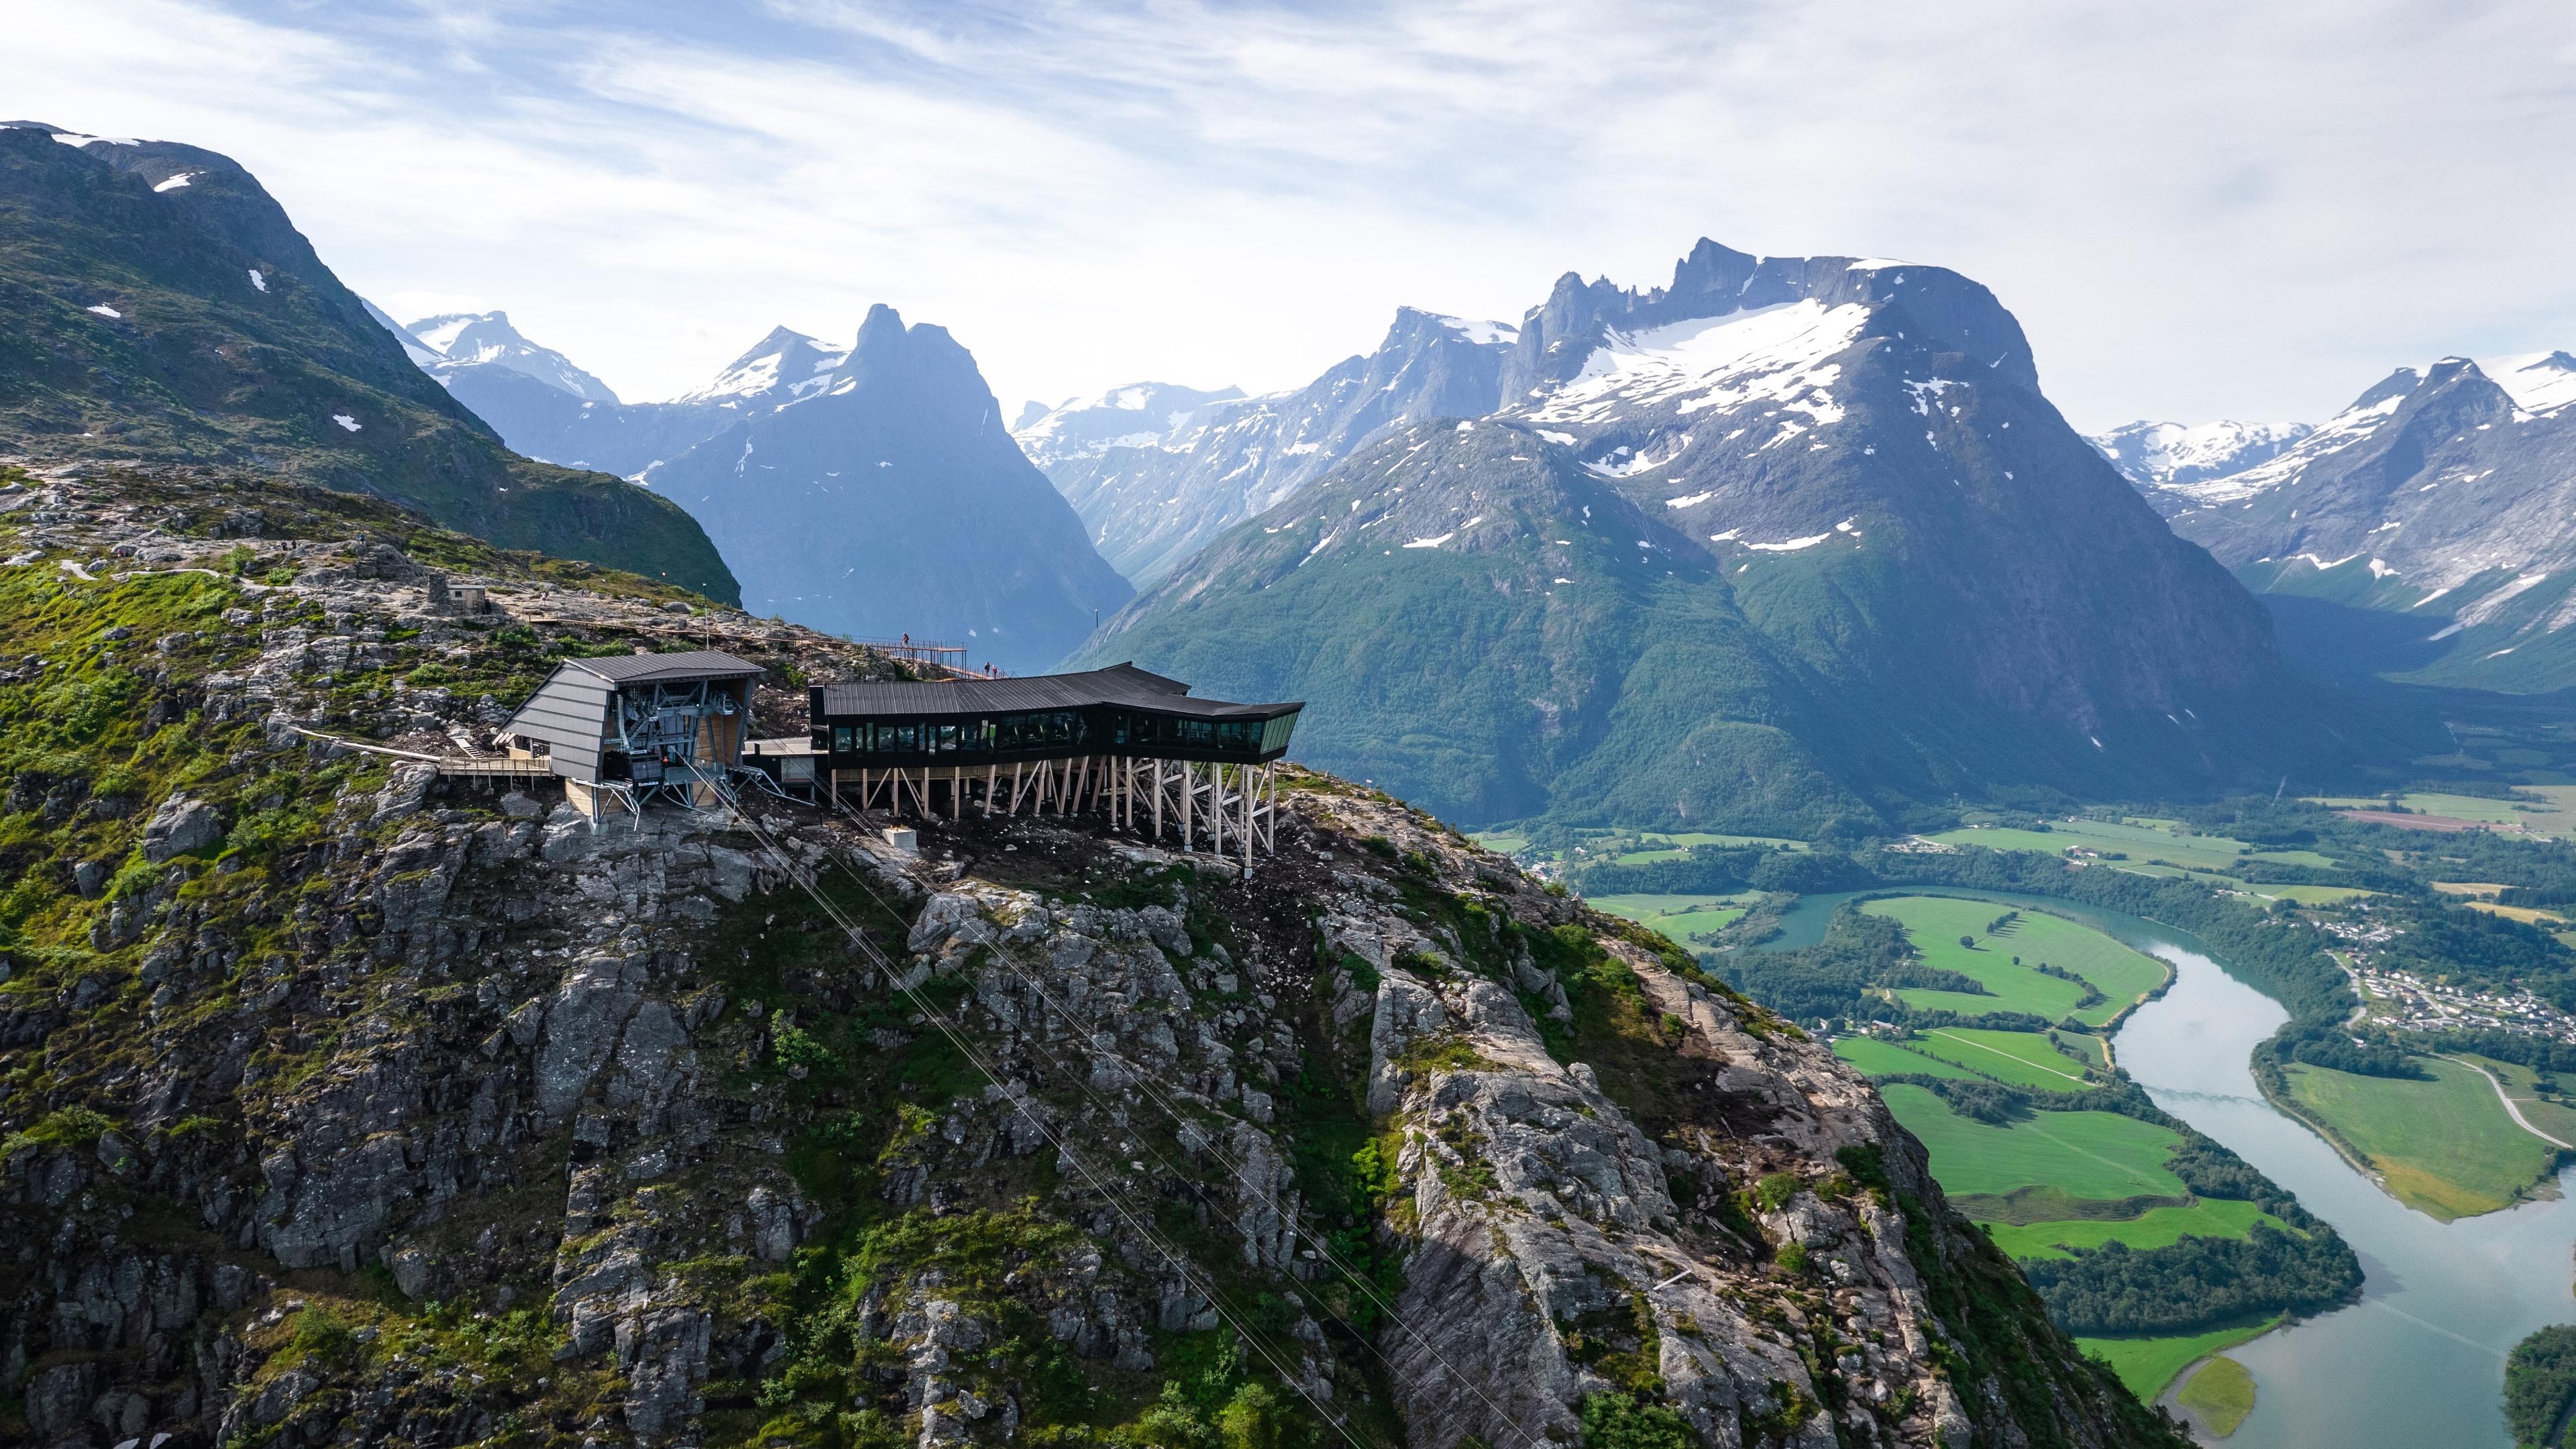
x=2197, y=208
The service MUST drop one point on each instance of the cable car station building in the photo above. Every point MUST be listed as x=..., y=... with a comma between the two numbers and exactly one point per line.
x=1131, y=744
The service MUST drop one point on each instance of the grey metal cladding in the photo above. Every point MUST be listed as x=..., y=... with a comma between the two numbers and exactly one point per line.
x=570, y=713
x=694, y=664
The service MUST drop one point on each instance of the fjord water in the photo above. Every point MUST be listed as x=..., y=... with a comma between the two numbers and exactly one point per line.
x=2420, y=1360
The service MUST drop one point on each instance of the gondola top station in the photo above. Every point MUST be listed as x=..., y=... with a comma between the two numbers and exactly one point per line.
x=1135, y=747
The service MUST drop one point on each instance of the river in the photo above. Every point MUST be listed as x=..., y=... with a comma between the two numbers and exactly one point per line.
x=2420, y=1361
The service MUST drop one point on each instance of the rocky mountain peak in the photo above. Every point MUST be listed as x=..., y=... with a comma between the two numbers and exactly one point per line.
x=486, y=339
x=780, y=368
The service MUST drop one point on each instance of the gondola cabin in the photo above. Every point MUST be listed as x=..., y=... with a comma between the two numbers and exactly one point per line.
x=625, y=729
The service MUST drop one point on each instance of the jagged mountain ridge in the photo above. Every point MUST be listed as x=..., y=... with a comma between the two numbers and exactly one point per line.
x=1866, y=563
x=1154, y=496
x=376, y=1110
x=894, y=501
x=546, y=415
x=158, y=303
x=2428, y=531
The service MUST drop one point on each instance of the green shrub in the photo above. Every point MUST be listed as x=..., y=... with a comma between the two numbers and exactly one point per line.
x=1774, y=1191
x=1616, y=1421
x=62, y=1127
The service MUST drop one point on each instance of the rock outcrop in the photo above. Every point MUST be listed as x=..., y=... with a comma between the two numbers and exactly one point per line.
x=416, y=1114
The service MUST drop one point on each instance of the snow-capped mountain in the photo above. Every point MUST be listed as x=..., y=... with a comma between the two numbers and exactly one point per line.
x=780, y=368
x=892, y=500
x=2445, y=495
x=1791, y=539
x=538, y=411
x=1153, y=495
x=465, y=340
x=2165, y=459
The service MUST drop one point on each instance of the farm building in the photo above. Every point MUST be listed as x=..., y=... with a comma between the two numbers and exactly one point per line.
x=1131, y=744
x=627, y=729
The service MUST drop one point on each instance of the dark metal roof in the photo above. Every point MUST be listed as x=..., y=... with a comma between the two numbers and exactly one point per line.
x=1119, y=684
x=648, y=668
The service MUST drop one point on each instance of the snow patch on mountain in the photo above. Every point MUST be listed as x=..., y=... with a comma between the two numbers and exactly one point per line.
x=1777, y=354
x=2169, y=455
x=470, y=339
x=2539, y=382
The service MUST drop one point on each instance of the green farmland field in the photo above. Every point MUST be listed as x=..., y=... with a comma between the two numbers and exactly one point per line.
x=2444, y=1147
x=2137, y=842
x=2019, y=1058
x=1935, y=924
x=2208, y=1217
x=1679, y=917
x=2088, y=1154
x=1884, y=1059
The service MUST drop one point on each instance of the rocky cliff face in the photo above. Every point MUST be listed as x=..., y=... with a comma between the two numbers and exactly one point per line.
x=343, y=1105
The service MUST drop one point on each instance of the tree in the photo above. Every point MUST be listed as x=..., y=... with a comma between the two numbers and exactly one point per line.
x=1969, y=942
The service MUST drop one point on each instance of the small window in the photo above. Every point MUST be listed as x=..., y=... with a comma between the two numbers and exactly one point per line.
x=841, y=744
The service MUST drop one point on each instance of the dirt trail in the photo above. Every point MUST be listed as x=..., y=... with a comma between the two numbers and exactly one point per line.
x=2509, y=1104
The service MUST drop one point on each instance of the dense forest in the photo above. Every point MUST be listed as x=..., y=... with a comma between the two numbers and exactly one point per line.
x=2539, y=1383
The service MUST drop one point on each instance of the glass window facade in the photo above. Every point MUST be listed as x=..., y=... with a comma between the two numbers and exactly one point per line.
x=1047, y=734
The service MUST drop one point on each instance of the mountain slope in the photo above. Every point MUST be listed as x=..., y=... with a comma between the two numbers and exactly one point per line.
x=360, y=1107
x=1855, y=560
x=155, y=302
x=893, y=501
x=1152, y=495
x=2427, y=532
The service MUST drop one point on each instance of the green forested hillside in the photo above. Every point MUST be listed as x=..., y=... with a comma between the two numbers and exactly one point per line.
x=156, y=303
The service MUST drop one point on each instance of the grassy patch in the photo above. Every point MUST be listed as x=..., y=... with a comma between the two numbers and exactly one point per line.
x=2553, y=1116
x=2019, y=1058
x=1887, y=1059
x=2443, y=1147
x=2220, y=1395
x=1678, y=916
x=2146, y=1365
x=2089, y=1154
x=2155, y=1228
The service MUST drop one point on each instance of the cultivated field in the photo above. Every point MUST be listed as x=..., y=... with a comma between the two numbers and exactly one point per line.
x=2208, y=1217
x=2087, y=1154
x=1935, y=924
x=2443, y=1147
x=1886, y=1059
x=1676, y=916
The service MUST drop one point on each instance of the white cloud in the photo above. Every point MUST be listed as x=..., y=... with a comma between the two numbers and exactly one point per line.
x=2196, y=208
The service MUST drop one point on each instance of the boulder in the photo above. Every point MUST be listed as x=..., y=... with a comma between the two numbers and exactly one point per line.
x=181, y=825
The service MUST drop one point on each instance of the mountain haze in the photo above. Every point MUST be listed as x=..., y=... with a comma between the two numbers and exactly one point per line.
x=2428, y=531
x=547, y=412
x=156, y=303
x=894, y=501
x=1153, y=495
x=1789, y=540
